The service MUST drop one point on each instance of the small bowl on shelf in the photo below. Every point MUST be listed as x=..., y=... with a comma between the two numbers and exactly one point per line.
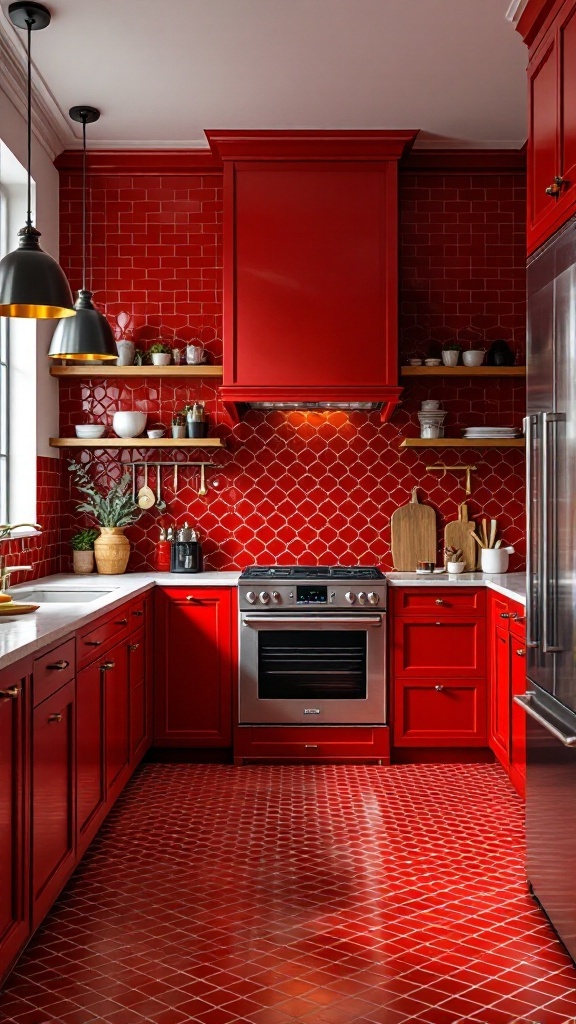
x=89, y=430
x=473, y=358
x=432, y=362
x=156, y=431
x=129, y=424
x=414, y=362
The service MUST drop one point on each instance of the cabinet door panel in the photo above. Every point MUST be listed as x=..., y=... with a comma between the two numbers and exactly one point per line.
x=117, y=702
x=138, y=695
x=518, y=717
x=543, y=156
x=14, y=835
x=567, y=44
x=195, y=654
x=425, y=600
x=500, y=704
x=53, y=798
x=440, y=648
x=446, y=714
x=91, y=782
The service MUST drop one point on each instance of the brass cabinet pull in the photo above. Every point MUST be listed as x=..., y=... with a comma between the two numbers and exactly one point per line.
x=504, y=615
x=133, y=647
x=55, y=718
x=10, y=694
x=556, y=187
x=437, y=623
x=439, y=600
x=94, y=643
x=192, y=597
x=107, y=665
x=138, y=613
x=58, y=666
x=311, y=746
x=521, y=652
x=439, y=687
x=121, y=622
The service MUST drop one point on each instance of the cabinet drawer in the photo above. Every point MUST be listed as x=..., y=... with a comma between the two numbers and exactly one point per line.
x=93, y=641
x=440, y=647
x=306, y=743
x=425, y=600
x=448, y=714
x=53, y=669
x=517, y=621
x=138, y=613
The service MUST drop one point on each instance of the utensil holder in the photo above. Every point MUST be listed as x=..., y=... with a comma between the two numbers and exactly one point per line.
x=495, y=560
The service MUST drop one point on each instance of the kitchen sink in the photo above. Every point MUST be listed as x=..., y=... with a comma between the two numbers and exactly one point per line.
x=58, y=596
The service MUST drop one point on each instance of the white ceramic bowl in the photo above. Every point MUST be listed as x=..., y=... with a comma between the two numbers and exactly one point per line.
x=455, y=567
x=432, y=362
x=129, y=424
x=87, y=430
x=155, y=434
x=430, y=404
x=414, y=362
x=474, y=358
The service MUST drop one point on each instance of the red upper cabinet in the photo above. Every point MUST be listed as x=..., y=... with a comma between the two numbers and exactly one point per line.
x=310, y=266
x=552, y=126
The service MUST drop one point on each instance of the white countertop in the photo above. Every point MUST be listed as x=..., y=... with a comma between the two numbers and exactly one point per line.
x=23, y=635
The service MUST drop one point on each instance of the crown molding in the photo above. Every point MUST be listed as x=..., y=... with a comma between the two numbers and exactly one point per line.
x=49, y=126
x=515, y=10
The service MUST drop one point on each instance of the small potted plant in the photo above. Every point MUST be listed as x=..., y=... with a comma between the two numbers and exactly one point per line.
x=160, y=354
x=451, y=353
x=178, y=425
x=113, y=512
x=82, y=545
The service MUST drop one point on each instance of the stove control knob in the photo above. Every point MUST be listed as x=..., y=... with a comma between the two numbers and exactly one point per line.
x=350, y=597
x=275, y=597
x=373, y=598
x=264, y=597
x=361, y=597
x=251, y=597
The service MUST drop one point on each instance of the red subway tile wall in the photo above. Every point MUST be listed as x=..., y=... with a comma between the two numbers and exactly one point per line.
x=42, y=553
x=305, y=486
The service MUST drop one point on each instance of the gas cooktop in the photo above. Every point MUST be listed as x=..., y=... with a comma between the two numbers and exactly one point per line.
x=311, y=572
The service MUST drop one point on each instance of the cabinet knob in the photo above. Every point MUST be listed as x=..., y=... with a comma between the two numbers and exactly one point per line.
x=556, y=187
x=10, y=694
x=55, y=718
x=139, y=614
x=437, y=623
x=192, y=597
x=121, y=622
x=439, y=600
x=439, y=687
x=504, y=615
x=133, y=647
x=106, y=665
x=311, y=746
x=521, y=652
x=94, y=643
x=59, y=666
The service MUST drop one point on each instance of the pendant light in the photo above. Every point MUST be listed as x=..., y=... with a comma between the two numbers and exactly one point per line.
x=87, y=336
x=32, y=284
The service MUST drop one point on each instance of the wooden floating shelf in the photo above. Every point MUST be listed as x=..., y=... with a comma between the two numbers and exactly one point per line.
x=463, y=371
x=174, y=372
x=136, y=442
x=462, y=442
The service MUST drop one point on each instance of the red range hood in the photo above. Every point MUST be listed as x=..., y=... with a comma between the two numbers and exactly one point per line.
x=310, y=268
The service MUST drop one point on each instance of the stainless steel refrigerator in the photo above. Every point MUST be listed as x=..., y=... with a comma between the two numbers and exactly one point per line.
x=550, y=701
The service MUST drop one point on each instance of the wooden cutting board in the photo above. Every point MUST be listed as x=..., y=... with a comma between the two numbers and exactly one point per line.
x=458, y=534
x=413, y=529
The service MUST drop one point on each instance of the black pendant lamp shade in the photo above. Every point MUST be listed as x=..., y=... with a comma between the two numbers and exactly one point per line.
x=32, y=284
x=87, y=336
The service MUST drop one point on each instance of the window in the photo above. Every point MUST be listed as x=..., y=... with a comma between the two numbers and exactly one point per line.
x=3, y=377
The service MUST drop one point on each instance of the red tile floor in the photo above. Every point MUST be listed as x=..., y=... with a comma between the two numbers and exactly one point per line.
x=317, y=894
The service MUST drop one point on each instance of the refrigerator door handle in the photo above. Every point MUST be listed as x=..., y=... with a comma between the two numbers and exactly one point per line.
x=526, y=701
x=531, y=639
x=549, y=543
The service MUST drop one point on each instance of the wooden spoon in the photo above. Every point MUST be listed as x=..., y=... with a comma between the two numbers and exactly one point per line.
x=146, y=497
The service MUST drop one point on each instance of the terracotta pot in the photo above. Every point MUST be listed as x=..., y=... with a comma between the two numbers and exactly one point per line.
x=83, y=561
x=112, y=550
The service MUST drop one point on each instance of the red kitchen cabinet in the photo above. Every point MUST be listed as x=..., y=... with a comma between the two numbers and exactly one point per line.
x=517, y=767
x=310, y=266
x=90, y=766
x=552, y=127
x=341, y=743
x=53, y=798
x=139, y=702
x=507, y=678
x=195, y=666
x=438, y=667
x=500, y=697
x=117, y=719
x=14, y=816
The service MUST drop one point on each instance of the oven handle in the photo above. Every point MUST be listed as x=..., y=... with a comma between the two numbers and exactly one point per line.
x=278, y=622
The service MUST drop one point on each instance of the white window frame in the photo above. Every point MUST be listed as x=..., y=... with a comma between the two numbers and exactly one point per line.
x=4, y=379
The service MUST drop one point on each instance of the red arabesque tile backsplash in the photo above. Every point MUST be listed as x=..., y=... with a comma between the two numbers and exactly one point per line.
x=305, y=486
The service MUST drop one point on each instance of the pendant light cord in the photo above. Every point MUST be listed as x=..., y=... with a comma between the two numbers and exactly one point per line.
x=29, y=22
x=84, y=204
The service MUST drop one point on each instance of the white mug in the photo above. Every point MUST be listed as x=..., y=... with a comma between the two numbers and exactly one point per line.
x=494, y=560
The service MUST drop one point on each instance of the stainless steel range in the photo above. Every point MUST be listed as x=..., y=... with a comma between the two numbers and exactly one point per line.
x=312, y=645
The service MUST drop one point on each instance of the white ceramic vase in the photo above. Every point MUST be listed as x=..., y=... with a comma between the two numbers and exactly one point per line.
x=450, y=357
x=126, y=350
x=161, y=358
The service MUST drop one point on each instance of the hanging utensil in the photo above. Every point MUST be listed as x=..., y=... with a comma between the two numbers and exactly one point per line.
x=146, y=497
x=175, y=479
x=202, y=492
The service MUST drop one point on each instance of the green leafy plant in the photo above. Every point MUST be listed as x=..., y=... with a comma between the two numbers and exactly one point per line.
x=160, y=346
x=452, y=346
x=84, y=541
x=139, y=357
x=116, y=508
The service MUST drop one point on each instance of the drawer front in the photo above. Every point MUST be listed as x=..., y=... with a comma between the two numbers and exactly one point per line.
x=517, y=621
x=308, y=743
x=426, y=600
x=448, y=714
x=440, y=647
x=53, y=670
x=93, y=642
x=138, y=613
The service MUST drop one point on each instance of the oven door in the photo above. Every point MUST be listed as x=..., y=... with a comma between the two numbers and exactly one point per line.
x=312, y=669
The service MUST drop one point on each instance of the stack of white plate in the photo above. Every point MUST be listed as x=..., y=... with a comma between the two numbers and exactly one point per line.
x=500, y=433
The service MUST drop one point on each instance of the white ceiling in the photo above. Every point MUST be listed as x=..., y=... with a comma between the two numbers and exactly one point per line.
x=161, y=71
